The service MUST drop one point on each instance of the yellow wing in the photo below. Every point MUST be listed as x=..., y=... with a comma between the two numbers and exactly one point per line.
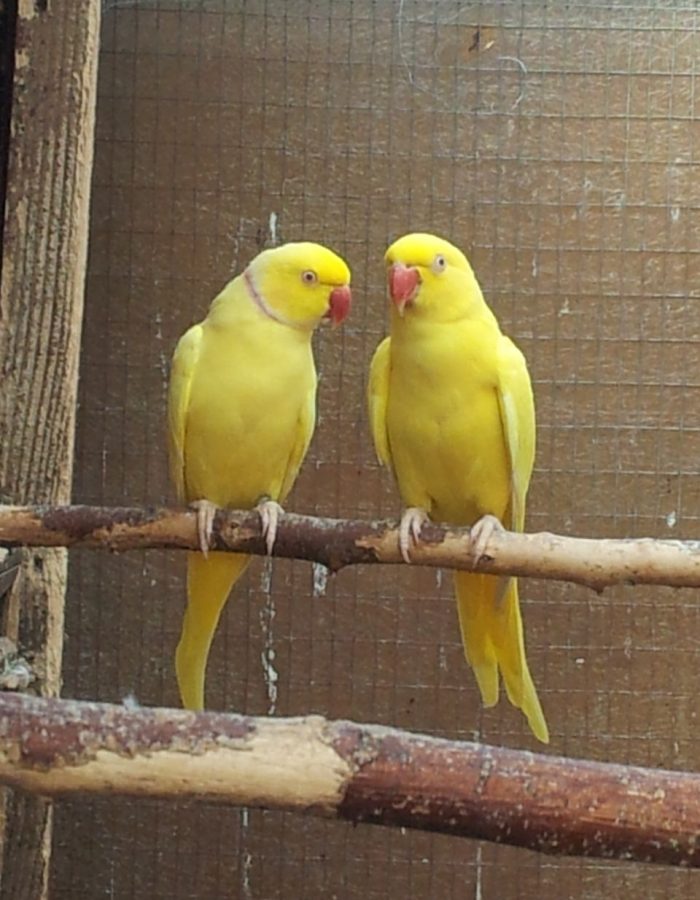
x=489, y=611
x=183, y=366
x=377, y=399
x=305, y=430
x=518, y=416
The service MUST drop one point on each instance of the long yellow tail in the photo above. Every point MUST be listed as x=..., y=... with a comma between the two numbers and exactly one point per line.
x=209, y=582
x=492, y=634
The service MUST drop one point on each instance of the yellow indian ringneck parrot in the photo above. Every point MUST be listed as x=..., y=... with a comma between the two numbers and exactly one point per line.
x=241, y=413
x=452, y=414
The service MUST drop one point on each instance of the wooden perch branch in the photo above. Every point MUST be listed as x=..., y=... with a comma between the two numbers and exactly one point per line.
x=336, y=543
x=361, y=773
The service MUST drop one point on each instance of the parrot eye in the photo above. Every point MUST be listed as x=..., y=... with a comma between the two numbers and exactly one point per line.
x=439, y=263
x=309, y=277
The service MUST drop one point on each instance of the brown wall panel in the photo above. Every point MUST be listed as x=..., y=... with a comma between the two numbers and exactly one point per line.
x=556, y=144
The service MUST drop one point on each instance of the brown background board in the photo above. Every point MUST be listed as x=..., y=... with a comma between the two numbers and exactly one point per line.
x=555, y=143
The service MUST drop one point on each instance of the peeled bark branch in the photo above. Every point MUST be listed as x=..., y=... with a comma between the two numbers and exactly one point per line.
x=361, y=773
x=335, y=543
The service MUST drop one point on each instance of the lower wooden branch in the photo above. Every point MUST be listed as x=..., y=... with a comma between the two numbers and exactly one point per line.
x=362, y=773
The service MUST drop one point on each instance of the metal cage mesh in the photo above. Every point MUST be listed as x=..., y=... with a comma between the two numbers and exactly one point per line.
x=556, y=144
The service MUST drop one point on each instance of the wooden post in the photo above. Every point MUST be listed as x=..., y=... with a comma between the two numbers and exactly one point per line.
x=41, y=300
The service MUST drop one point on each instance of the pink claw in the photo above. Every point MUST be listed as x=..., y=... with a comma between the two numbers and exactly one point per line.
x=480, y=535
x=412, y=520
x=206, y=510
x=270, y=511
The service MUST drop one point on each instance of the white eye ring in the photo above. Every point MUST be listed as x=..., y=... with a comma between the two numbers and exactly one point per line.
x=439, y=263
x=309, y=277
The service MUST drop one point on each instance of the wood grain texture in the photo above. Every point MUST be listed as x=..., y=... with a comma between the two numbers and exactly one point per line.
x=41, y=302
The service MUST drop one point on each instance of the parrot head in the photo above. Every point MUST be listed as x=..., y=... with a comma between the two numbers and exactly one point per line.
x=428, y=276
x=299, y=284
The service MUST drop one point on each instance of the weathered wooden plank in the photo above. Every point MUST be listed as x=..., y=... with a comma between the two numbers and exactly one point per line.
x=41, y=299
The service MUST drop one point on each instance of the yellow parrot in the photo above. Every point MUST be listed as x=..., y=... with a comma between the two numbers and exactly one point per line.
x=241, y=413
x=452, y=414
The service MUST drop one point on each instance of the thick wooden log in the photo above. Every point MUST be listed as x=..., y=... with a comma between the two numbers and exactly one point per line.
x=335, y=543
x=361, y=773
x=45, y=234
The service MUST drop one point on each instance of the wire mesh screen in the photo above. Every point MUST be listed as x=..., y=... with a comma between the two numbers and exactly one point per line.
x=556, y=144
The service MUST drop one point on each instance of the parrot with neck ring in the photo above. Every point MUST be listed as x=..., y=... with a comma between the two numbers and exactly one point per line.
x=241, y=414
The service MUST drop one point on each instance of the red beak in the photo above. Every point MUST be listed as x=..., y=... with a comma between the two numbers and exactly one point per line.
x=340, y=301
x=403, y=285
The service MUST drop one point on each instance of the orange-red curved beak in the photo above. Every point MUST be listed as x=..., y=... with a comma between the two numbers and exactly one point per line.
x=340, y=301
x=403, y=285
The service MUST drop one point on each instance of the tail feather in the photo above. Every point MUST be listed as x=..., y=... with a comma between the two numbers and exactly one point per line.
x=492, y=634
x=209, y=582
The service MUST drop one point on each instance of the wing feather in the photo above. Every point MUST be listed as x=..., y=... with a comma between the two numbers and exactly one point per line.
x=517, y=408
x=378, y=398
x=181, y=374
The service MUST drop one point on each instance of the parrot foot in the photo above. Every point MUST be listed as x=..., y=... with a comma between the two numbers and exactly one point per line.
x=412, y=520
x=206, y=510
x=269, y=518
x=480, y=535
